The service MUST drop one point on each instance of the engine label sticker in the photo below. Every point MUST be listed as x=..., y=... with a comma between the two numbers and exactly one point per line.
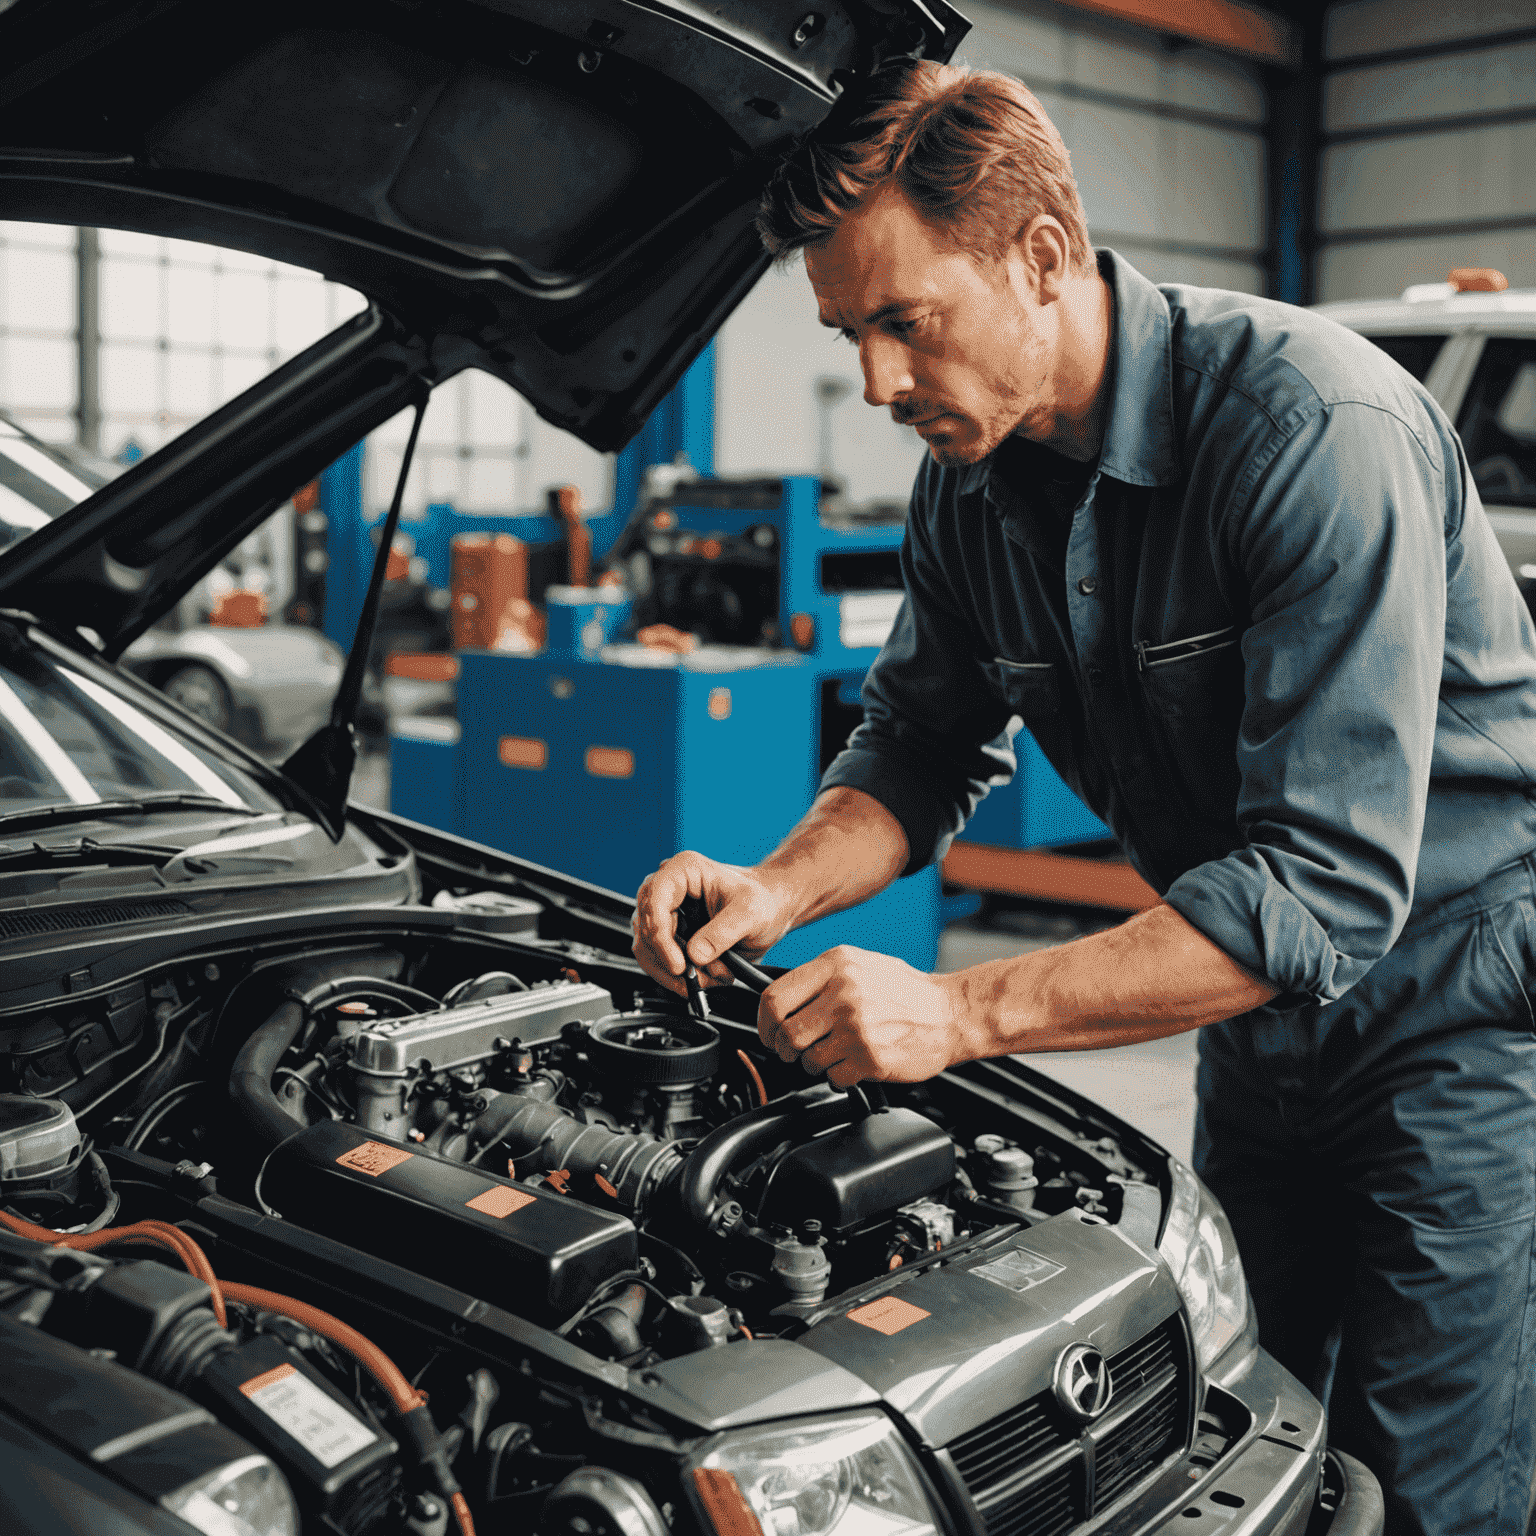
x=374, y=1158
x=889, y=1314
x=1018, y=1269
x=315, y=1419
x=499, y=1201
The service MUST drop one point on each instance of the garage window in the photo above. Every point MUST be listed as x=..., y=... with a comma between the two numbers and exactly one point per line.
x=1415, y=353
x=1498, y=422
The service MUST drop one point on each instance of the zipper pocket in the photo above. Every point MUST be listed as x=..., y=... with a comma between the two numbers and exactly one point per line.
x=1032, y=688
x=1149, y=656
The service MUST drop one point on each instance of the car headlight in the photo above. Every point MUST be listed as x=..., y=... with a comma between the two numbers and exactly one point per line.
x=852, y=1474
x=1200, y=1249
x=248, y=1497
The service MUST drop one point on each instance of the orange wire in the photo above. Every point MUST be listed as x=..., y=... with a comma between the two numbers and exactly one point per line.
x=757, y=1077
x=402, y=1394
x=462, y=1515
x=159, y=1233
x=367, y=1354
x=389, y=1376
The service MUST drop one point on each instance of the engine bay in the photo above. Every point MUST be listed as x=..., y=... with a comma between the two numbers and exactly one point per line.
x=318, y=1180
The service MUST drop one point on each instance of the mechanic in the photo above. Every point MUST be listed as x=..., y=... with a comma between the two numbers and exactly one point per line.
x=1223, y=558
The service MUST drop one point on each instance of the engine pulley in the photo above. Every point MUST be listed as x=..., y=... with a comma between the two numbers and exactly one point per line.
x=654, y=1050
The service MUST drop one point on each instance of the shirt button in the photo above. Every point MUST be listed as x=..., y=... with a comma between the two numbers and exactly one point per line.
x=1087, y=586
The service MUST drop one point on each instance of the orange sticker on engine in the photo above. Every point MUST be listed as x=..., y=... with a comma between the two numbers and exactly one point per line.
x=267, y=1379
x=500, y=1201
x=374, y=1158
x=890, y=1314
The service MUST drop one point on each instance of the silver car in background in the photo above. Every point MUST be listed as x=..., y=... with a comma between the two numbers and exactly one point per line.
x=268, y=686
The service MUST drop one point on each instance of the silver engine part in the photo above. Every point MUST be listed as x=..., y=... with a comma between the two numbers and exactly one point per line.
x=389, y=1055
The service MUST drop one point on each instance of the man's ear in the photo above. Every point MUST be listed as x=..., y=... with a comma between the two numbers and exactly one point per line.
x=1043, y=256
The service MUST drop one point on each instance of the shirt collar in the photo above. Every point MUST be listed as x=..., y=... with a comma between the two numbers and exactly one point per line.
x=1138, y=443
x=1138, y=435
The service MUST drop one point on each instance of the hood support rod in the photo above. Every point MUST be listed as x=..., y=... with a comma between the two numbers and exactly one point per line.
x=323, y=765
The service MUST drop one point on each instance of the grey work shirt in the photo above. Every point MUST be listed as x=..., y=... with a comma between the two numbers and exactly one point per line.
x=1283, y=657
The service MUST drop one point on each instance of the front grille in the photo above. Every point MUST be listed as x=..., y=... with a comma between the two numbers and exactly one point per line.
x=1143, y=1362
x=1048, y=1509
x=1013, y=1439
x=1137, y=1445
x=997, y=1461
x=19, y=925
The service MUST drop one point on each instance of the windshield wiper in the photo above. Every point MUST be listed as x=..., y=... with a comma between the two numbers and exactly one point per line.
x=51, y=815
x=322, y=766
x=86, y=851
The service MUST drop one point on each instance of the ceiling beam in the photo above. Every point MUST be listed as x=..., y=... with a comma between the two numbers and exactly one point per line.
x=1229, y=25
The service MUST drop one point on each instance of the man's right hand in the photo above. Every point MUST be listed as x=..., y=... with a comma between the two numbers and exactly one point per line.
x=747, y=913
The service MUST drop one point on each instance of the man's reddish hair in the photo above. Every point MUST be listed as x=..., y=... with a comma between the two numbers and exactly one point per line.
x=972, y=149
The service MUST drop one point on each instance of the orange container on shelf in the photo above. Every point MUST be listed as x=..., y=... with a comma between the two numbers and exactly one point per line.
x=489, y=574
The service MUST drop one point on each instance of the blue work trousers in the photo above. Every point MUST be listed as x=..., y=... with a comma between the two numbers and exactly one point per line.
x=1377, y=1158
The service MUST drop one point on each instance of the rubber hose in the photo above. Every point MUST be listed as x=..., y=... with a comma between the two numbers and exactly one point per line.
x=808, y=1110
x=619, y=1320
x=396, y=991
x=186, y=1347
x=634, y=1166
x=250, y=1081
x=111, y=1201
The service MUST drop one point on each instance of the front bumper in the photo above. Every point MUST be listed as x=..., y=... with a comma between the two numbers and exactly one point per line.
x=1255, y=1468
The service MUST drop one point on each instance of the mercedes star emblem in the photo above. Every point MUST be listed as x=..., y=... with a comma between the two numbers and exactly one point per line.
x=1083, y=1387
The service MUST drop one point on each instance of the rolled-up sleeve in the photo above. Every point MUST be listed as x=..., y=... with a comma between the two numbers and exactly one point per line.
x=935, y=735
x=1339, y=527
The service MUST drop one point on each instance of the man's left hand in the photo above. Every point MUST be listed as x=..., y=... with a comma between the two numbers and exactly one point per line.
x=855, y=1016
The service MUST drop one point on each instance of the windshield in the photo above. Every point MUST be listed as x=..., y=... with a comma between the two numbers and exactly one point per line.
x=66, y=739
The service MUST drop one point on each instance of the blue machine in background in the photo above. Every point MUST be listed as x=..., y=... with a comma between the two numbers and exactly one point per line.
x=603, y=759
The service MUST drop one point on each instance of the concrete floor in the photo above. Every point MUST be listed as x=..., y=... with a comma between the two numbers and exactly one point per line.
x=1151, y=1086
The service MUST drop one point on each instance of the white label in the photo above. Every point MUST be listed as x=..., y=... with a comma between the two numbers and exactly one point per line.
x=1018, y=1270
x=865, y=618
x=329, y=1432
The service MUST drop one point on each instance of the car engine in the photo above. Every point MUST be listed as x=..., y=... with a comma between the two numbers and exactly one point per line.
x=317, y=1184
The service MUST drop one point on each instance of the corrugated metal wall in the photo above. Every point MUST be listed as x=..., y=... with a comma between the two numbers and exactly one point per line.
x=1168, y=148
x=1429, y=160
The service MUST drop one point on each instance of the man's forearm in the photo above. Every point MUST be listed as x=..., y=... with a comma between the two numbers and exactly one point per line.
x=1155, y=975
x=844, y=850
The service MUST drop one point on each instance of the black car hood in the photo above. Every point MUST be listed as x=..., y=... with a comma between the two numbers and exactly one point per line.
x=559, y=193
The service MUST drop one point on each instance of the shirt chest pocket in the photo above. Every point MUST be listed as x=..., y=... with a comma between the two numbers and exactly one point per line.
x=1031, y=689
x=1193, y=678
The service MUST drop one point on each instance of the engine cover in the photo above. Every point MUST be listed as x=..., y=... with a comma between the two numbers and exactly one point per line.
x=529, y=1250
x=860, y=1171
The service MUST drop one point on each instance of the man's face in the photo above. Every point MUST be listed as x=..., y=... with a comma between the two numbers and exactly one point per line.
x=956, y=347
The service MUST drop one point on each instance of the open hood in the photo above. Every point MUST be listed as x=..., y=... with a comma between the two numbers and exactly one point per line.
x=559, y=193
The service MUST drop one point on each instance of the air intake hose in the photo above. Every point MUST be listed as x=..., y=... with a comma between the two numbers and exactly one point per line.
x=250, y=1081
x=544, y=1137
